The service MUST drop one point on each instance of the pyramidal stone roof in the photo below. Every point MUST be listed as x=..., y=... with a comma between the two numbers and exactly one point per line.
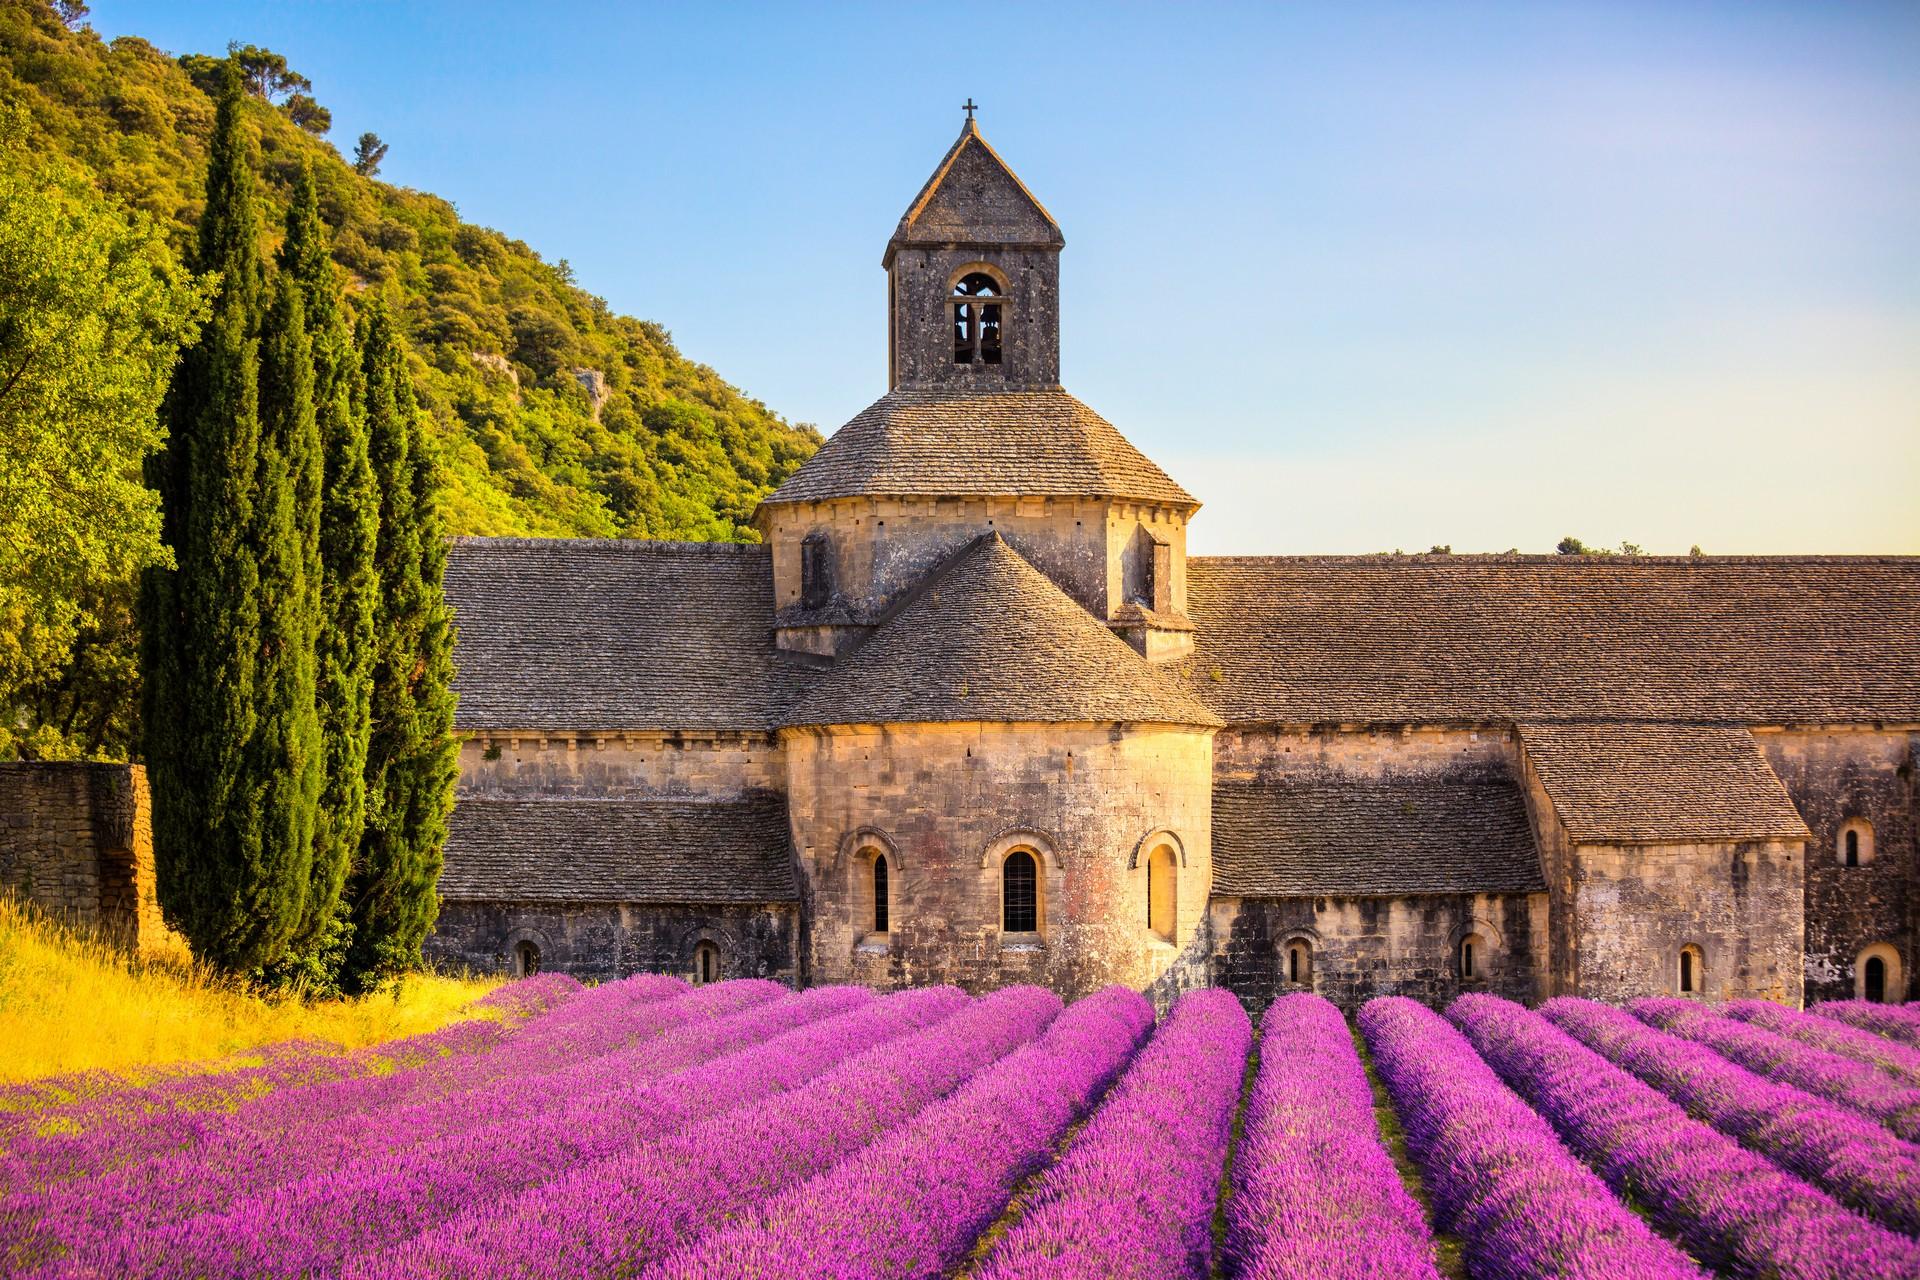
x=990, y=637
x=973, y=197
x=930, y=442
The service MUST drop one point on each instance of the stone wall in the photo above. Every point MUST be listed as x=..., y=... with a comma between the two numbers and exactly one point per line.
x=599, y=941
x=76, y=840
x=946, y=804
x=1359, y=948
x=920, y=282
x=621, y=765
x=1849, y=777
x=1262, y=753
x=880, y=549
x=1637, y=906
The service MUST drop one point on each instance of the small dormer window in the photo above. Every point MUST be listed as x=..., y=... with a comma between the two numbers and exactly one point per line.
x=976, y=303
x=816, y=571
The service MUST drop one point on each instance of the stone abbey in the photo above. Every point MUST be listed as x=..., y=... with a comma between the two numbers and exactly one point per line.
x=970, y=713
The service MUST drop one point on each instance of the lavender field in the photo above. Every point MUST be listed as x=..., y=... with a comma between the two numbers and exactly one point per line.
x=646, y=1128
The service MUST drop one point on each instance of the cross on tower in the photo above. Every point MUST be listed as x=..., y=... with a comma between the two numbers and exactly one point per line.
x=969, y=106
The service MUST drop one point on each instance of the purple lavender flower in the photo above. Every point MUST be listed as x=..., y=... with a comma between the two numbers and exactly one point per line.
x=1896, y=1059
x=1314, y=1191
x=217, y=1160
x=614, y=1216
x=1866, y=1089
x=1734, y=1209
x=1899, y=1022
x=912, y=1204
x=308, y=1226
x=1133, y=1194
x=1855, y=1158
x=1498, y=1175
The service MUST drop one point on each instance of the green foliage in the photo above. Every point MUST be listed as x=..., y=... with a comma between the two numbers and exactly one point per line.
x=309, y=115
x=412, y=757
x=348, y=514
x=1572, y=546
x=289, y=756
x=95, y=309
x=368, y=152
x=496, y=333
x=223, y=726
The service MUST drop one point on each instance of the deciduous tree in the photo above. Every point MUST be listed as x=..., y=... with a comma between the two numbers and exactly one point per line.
x=93, y=310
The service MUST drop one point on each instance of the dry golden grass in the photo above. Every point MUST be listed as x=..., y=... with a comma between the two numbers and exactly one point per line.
x=71, y=1003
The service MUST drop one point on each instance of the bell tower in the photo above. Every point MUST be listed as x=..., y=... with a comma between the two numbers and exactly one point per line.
x=973, y=279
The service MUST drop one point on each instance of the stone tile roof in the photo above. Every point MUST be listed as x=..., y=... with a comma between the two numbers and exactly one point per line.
x=619, y=851
x=974, y=197
x=930, y=442
x=1452, y=639
x=989, y=637
x=1640, y=783
x=1338, y=835
x=591, y=634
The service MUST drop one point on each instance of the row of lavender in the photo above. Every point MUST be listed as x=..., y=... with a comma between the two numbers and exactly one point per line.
x=645, y=1128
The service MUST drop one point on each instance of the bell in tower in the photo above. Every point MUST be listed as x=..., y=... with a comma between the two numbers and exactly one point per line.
x=973, y=279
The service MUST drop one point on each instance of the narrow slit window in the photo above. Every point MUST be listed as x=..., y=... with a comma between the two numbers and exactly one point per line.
x=1853, y=848
x=526, y=959
x=880, y=895
x=1020, y=893
x=1162, y=886
x=1693, y=971
x=1299, y=964
x=1466, y=958
x=706, y=964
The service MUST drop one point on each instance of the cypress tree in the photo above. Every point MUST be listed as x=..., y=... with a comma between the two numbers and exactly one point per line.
x=287, y=755
x=412, y=753
x=231, y=871
x=348, y=515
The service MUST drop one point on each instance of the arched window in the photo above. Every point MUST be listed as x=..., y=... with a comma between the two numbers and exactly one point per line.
x=1163, y=888
x=1472, y=957
x=1299, y=963
x=526, y=959
x=1020, y=893
x=976, y=304
x=1877, y=975
x=1693, y=971
x=706, y=963
x=1856, y=842
x=880, y=895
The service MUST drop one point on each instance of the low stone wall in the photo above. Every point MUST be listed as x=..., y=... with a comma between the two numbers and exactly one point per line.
x=1359, y=948
x=598, y=941
x=76, y=840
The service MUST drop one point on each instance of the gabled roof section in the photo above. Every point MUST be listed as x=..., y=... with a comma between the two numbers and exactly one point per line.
x=595, y=634
x=928, y=442
x=1487, y=639
x=582, y=850
x=974, y=198
x=1344, y=835
x=990, y=637
x=1641, y=783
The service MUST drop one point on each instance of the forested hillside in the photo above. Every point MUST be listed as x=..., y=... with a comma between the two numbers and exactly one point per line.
x=556, y=415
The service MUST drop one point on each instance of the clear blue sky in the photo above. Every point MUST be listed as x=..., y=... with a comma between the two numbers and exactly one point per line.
x=1359, y=276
